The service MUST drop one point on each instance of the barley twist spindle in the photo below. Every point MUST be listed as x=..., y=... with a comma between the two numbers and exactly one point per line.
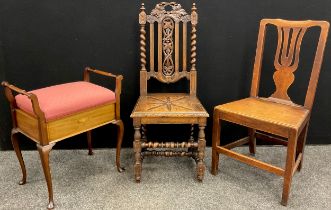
x=194, y=21
x=142, y=22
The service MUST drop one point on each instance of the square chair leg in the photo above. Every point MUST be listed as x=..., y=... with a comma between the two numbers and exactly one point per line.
x=215, y=142
x=290, y=162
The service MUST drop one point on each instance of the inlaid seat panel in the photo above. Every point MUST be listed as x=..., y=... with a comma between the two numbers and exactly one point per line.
x=169, y=105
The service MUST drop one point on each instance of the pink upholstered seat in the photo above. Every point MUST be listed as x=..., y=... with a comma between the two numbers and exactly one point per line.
x=65, y=99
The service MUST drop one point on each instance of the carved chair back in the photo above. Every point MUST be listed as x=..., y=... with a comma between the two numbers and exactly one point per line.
x=167, y=17
x=290, y=35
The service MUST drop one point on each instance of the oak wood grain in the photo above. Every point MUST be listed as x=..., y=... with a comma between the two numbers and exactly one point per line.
x=169, y=108
x=276, y=115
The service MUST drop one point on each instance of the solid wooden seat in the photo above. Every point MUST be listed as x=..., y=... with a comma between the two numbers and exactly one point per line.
x=171, y=24
x=276, y=119
x=55, y=113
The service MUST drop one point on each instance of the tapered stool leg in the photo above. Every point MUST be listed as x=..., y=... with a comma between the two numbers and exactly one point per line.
x=18, y=152
x=120, y=133
x=44, y=157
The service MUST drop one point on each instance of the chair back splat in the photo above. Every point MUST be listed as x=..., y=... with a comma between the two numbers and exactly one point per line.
x=290, y=36
x=164, y=42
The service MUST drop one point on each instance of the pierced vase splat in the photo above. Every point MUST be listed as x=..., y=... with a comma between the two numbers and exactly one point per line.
x=286, y=59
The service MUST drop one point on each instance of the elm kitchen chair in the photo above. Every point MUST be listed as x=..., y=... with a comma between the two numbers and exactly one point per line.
x=168, y=108
x=276, y=118
x=55, y=113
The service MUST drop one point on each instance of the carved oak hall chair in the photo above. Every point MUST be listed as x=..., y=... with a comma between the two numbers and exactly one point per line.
x=276, y=118
x=168, y=108
x=54, y=113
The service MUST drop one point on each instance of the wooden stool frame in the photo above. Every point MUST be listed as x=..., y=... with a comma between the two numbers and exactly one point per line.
x=36, y=128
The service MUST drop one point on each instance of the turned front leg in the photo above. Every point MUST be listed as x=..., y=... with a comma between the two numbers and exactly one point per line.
x=201, y=153
x=143, y=136
x=143, y=133
x=137, y=151
x=191, y=139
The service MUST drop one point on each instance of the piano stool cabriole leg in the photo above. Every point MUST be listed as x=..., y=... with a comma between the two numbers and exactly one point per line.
x=18, y=152
x=120, y=133
x=44, y=157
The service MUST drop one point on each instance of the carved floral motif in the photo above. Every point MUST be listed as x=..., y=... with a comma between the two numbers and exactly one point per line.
x=176, y=13
x=168, y=46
